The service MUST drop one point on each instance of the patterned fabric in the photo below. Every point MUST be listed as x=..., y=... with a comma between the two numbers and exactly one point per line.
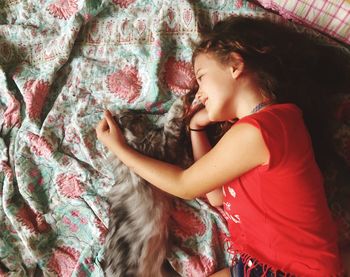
x=61, y=63
x=331, y=17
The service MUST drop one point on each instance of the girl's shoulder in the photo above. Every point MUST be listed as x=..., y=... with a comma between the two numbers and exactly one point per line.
x=282, y=128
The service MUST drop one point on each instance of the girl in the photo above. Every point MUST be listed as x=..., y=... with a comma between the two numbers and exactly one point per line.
x=263, y=169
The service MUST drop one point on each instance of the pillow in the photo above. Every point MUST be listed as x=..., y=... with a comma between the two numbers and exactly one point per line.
x=331, y=17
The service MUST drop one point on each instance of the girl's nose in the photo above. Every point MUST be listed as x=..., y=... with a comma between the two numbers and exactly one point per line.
x=197, y=98
x=199, y=94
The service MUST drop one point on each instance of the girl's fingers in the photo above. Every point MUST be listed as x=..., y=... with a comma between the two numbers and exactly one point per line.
x=102, y=125
x=105, y=125
x=109, y=118
x=195, y=109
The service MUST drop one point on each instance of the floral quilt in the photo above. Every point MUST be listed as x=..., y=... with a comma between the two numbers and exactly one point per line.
x=62, y=62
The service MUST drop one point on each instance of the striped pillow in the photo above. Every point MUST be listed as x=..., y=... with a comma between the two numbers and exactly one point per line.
x=331, y=17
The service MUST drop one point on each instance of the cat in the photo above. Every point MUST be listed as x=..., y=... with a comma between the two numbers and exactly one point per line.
x=137, y=241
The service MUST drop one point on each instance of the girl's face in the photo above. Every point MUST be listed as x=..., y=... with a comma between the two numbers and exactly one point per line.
x=216, y=87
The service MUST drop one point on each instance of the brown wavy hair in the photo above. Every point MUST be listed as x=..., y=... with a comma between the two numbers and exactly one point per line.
x=288, y=65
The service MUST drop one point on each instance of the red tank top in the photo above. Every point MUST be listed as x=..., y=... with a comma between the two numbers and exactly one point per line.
x=278, y=213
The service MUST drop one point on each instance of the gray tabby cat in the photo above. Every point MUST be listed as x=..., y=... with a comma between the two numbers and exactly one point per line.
x=137, y=242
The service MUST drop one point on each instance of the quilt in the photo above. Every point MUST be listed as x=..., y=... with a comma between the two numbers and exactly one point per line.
x=62, y=62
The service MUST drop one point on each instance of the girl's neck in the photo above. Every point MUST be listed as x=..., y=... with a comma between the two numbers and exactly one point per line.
x=249, y=100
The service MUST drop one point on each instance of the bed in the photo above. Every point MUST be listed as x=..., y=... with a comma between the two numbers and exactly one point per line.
x=62, y=62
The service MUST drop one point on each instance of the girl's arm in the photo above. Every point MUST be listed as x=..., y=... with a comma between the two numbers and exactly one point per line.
x=242, y=148
x=201, y=146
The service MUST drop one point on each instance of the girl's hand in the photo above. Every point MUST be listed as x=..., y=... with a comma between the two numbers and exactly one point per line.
x=200, y=119
x=109, y=133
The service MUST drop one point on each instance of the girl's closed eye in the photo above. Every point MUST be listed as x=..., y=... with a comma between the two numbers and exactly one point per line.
x=199, y=78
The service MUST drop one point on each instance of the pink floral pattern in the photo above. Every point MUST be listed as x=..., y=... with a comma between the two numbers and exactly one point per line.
x=125, y=83
x=69, y=185
x=39, y=146
x=123, y=3
x=35, y=93
x=102, y=229
x=239, y=4
x=34, y=222
x=179, y=76
x=63, y=9
x=71, y=135
x=75, y=213
x=155, y=106
x=186, y=223
x=12, y=113
x=89, y=263
x=199, y=266
x=64, y=260
x=187, y=17
x=71, y=225
x=171, y=15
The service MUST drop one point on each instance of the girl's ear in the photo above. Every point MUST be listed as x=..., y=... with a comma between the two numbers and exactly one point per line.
x=237, y=65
